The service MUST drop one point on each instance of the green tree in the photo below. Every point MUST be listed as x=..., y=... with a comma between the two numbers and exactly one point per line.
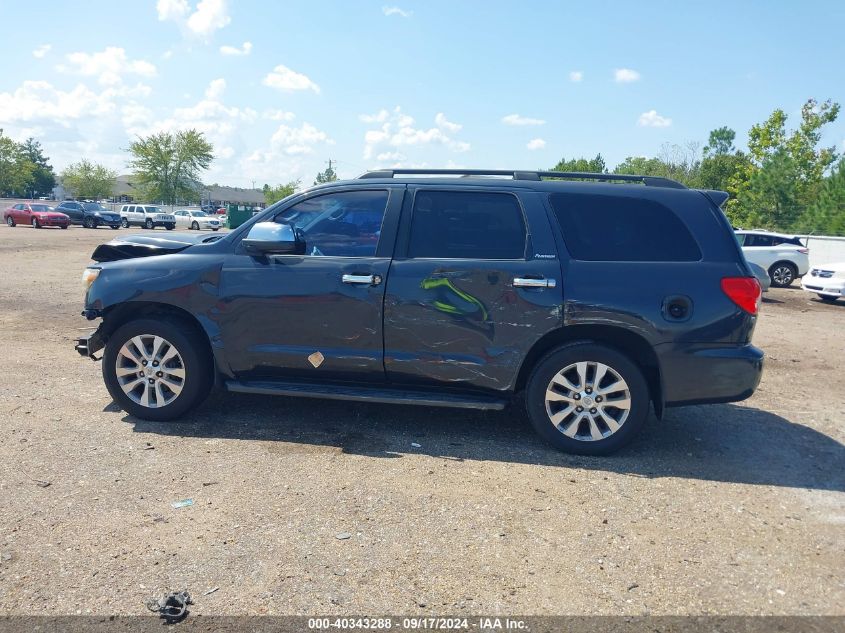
x=720, y=142
x=678, y=162
x=15, y=168
x=826, y=216
x=274, y=194
x=329, y=175
x=167, y=166
x=786, y=168
x=592, y=165
x=43, y=177
x=89, y=180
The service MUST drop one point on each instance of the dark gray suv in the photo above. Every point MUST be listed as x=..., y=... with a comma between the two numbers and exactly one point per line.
x=594, y=295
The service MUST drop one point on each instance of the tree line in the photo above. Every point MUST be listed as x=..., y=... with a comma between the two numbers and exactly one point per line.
x=785, y=181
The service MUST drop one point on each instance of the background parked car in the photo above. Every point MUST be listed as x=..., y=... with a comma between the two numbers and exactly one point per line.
x=762, y=276
x=783, y=256
x=35, y=214
x=89, y=214
x=197, y=220
x=827, y=281
x=147, y=215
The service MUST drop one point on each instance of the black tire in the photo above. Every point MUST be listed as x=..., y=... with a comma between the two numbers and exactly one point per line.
x=195, y=226
x=149, y=224
x=194, y=351
x=114, y=228
x=828, y=298
x=10, y=220
x=64, y=226
x=89, y=223
x=124, y=223
x=563, y=357
x=217, y=229
x=35, y=223
x=170, y=227
x=783, y=274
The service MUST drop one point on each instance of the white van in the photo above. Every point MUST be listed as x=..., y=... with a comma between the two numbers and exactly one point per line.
x=146, y=215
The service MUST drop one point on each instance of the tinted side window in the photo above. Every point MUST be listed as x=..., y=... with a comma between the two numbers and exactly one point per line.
x=617, y=228
x=757, y=240
x=346, y=224
x=467, y=225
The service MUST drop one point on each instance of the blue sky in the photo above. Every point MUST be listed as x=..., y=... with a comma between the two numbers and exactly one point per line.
x=282, y=87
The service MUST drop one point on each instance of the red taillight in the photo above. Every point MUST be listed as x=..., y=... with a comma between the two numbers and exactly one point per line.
x=743, y=291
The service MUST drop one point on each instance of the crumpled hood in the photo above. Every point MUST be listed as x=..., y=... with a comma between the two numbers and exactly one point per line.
x=131, y=246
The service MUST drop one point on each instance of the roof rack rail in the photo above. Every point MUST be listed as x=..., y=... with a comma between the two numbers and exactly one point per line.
x=651, y=181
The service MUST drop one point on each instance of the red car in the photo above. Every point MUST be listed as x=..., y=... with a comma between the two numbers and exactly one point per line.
x=37, y=215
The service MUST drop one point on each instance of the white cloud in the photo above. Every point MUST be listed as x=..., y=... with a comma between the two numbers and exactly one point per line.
x=283, y=78
x=215, y=89
x=279, y=115
x=246, y=49
x=208, y=17
x=536, y=143
x=109, y=65
x=41, y=51
x=397, y=130
x=301, y=140
x=390, y=156
x=379, y=117
x=388, y=11
x=172, y=9
x=625, y=75
x=652, y=119
x=576, y=76
x=516, y=119
x=444, y=124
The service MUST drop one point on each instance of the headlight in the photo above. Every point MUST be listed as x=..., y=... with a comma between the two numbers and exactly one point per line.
x=88, y=277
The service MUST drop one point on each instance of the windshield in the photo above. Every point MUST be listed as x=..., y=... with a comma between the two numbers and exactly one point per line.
x=152, y=209
x=94, y=206
x=41, y=207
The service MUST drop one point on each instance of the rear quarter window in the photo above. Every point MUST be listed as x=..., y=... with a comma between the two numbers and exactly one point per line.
x=618, y=228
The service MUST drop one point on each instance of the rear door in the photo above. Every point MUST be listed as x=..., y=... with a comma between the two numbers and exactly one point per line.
x=475, y=282
x=316, y=316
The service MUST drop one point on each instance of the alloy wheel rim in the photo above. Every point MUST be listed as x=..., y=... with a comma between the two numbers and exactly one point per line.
x=150, y=370
x=588, y=401
x=782, y=274
x=9, y=221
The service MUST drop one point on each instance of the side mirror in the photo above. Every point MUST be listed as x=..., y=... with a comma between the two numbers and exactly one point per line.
x=272, y=238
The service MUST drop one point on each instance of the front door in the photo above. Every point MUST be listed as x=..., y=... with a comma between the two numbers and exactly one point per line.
x=474, y=284
x=316, y=316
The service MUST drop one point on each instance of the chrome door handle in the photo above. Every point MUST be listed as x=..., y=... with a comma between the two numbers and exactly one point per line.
x=364, y=280
x=525, y=282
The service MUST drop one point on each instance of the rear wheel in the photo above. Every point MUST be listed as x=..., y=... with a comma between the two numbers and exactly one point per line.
x=783, y=274
x=124, y=223
x=10, y=220
x=89, y=223
x=587, y=399
x=170, y=227
x=149, y=224
x=195, y=226
x=157, y=369
x=35, y=223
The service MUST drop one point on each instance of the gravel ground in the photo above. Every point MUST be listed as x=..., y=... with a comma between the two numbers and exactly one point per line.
x=312, y=507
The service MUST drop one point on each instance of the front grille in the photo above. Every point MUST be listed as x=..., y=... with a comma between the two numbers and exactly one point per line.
x=825, y=274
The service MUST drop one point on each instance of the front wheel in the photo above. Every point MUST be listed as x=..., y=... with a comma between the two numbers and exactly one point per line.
x=149, y=224
x=783, y=274
x=64, y=226
x=157, y=369
x=587, y=399
x=195, y=226
x=89, y=223
x=35, y=223
x=124, y=223
x=170, y=227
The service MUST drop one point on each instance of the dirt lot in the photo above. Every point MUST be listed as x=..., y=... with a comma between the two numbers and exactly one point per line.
x=729, y=509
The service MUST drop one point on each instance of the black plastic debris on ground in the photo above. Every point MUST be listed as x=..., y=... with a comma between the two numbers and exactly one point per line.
x=173, y=607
